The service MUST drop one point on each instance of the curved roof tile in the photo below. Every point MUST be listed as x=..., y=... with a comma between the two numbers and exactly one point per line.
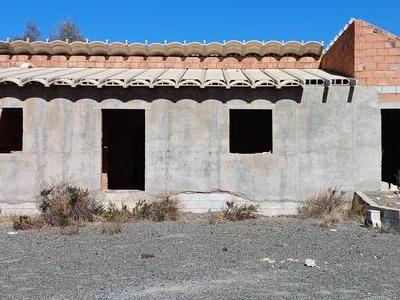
x=227, y=78
x=169, y=49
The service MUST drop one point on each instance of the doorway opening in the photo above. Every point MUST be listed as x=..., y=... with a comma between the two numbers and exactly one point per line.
x=390, y=145
x=123, y=146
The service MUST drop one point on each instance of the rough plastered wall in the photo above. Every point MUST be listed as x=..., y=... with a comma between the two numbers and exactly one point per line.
x=322, y=138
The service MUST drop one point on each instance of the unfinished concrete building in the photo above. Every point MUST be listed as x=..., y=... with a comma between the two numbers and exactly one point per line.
x=262, y=121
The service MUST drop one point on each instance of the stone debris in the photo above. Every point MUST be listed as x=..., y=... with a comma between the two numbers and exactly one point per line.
x=267, y=260
x=310, y=263
x=288, y=260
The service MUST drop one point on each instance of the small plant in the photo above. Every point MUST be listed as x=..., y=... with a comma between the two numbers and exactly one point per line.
x=115, y=215
x=6, y=219
x=163, y=209
x=62, y=204
x=142, y=210
x=214, y=218
x=27, y=222
x=236, y=212
x=111, y=228
x=157, y=210
x=329, y=207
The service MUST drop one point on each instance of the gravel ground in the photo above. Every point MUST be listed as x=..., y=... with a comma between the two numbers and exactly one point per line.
x=197, y=260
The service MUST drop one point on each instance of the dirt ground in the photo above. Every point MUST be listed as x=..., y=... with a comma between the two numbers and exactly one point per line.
x=192, y=259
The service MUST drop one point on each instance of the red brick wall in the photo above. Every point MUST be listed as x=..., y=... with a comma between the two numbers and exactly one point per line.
x=377, y=55
x=139, y=62
x=340, y=56
x=367, y=53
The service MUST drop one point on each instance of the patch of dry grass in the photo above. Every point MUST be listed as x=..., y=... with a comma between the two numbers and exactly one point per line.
x=25, y=222
x=111, y=228
x=329, y=207
x=163, y=209
x=238, y=212
x=158, y=210
x=7, y=219
x=115, y=215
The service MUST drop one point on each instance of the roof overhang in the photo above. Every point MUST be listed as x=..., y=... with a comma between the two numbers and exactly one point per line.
x=151, y=78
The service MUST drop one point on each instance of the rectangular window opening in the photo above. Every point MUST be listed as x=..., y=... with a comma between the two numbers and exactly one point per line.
x=11, y=130
x=250, y=130
x=123, y=144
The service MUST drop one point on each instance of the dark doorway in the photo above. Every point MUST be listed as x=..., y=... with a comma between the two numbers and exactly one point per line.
x=390, y=144
x=124, y=148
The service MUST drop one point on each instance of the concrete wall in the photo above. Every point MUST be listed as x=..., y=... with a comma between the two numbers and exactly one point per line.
x=322, y=138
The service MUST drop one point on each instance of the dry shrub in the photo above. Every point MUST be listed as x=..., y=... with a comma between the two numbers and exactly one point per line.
x=113, y=218
x=72, y=229
x=236, y=212
x=157, y=210
x=142, y=210
x=214, y=218
x=111, y=228
x=27, y=222
x=163, y=209
x=329, y=207
x=62, y=204
x=7, y=219
x=115, y=215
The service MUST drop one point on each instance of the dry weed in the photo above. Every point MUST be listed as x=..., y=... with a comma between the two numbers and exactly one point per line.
x=27, y=222
x=236, y=212
x=329, y=207
x=61, y=204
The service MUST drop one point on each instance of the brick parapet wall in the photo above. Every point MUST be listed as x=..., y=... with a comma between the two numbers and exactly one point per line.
x=340, y=56
x=140, y=62
x=377, y=56
x=366, y=53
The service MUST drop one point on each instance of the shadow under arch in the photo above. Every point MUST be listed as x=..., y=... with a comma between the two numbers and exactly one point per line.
x=150, y=94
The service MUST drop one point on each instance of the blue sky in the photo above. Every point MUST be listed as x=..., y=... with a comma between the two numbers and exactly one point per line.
x=218, y=20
